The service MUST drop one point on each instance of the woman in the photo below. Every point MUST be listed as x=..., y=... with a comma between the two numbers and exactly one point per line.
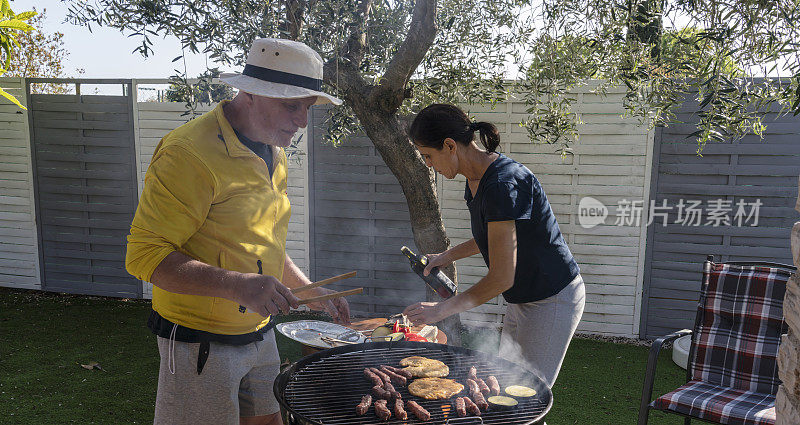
x=516, y=232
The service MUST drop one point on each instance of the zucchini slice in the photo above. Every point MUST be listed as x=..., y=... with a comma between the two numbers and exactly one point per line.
x=502, y=402
x=520, y=391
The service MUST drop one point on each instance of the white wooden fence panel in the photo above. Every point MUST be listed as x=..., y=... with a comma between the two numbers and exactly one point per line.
x=156, y=119
x=19, y=245
x=611, y=163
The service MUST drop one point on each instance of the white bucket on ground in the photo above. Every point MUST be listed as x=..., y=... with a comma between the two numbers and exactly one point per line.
x=680, y=350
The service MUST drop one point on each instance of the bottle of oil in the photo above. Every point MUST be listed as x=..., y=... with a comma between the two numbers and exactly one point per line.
x=437, y=280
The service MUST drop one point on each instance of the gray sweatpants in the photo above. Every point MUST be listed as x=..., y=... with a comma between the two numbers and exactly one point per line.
x=537, y=334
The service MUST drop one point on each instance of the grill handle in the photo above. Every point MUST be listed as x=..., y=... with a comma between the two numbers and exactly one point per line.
x=461, y=420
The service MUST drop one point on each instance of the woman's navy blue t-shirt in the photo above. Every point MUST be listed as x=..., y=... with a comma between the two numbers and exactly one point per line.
x=509, y=191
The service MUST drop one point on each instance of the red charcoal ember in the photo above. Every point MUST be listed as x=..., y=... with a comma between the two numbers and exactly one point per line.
x=472, y=408
x=399, y=411
x=381, y=411
x=460, y=407
x=484, y=388
x=418, y=411
x=494, y=386
x=362, y=407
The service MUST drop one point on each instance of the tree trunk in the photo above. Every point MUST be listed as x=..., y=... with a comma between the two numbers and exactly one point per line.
x=418, y=182
x=376, y=107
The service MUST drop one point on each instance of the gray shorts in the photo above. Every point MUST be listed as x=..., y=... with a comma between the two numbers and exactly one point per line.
x=235, y=381
x=537, y=334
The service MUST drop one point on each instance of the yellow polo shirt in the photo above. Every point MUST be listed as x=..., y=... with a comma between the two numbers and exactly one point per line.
x=208, y=196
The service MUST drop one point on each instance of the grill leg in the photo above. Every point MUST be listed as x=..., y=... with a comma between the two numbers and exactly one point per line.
x=687, y=421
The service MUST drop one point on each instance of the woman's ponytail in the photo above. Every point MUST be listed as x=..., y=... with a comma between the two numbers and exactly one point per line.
x=490, y=136
x=440, y=121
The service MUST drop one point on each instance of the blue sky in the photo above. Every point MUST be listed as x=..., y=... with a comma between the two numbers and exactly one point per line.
x=107, y=53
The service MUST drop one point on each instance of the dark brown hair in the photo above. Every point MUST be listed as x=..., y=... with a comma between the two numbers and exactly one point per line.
x=439, y=121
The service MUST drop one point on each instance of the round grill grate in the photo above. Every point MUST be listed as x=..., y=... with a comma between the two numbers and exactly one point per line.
x=325, y=388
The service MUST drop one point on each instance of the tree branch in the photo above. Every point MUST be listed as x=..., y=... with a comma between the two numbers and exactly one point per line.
x=344, y=75
x=356, y=45
x=391, y=92
x=294, y=18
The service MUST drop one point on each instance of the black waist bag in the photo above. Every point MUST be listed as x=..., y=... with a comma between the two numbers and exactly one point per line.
x=164, y=328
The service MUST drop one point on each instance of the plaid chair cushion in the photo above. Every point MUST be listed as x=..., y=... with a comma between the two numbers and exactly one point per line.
x=741, y=322
x=719, y=404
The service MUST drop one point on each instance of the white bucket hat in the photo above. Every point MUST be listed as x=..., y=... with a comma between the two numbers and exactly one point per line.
x=282, y=69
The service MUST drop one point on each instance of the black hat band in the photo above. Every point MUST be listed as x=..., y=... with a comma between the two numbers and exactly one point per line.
x=281, y=77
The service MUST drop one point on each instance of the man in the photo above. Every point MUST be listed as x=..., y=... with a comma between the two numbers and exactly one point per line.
x=210, y=234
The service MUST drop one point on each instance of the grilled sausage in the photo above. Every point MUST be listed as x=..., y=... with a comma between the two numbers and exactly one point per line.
x=381, y=411
x=494, y=386
x=460, y=407
x=362, y=407
x=471, y=407
x=473, y=373
x=376, y=380
x=396, y=378
x=473, y=386
x=480, y=400
x=383, y=376
x=483, y=387
x=381, y=393
x=393, y=393
x=418, y=411
x=399, y=411
x=402, y=372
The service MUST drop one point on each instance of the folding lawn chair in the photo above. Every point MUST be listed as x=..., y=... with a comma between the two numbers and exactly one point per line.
x=732, y=373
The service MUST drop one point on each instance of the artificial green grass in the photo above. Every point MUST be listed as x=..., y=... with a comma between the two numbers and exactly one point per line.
x=44, y=338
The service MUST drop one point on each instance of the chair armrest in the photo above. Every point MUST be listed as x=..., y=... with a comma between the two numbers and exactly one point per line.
x=650, y=373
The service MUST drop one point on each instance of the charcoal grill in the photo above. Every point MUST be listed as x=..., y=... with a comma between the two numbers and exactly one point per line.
x=324, y=388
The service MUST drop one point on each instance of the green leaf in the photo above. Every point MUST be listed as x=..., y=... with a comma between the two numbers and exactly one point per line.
x=709, y=98
x=16, y=24
x=26, y=15
x=8, y=96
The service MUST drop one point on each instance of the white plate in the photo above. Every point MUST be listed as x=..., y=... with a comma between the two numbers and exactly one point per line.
x=310, y=332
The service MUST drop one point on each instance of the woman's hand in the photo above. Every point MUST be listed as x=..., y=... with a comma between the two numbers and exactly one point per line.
x=424, y=313
x=436, y=260
x=338, y=308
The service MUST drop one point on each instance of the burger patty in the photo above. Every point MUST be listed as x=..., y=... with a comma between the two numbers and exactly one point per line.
x=423, y=367
x=434, y=388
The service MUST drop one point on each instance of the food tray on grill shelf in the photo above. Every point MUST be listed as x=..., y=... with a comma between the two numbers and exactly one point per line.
x=324, y=388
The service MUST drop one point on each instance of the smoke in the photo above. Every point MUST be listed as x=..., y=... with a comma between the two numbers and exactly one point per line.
x=492, y=342
x=512, y=351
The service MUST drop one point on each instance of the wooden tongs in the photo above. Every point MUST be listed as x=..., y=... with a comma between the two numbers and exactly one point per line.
x=325, y=282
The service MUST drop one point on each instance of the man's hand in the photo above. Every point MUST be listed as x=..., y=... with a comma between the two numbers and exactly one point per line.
x=262, y=294
x=338, y=308
x=435, y=260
